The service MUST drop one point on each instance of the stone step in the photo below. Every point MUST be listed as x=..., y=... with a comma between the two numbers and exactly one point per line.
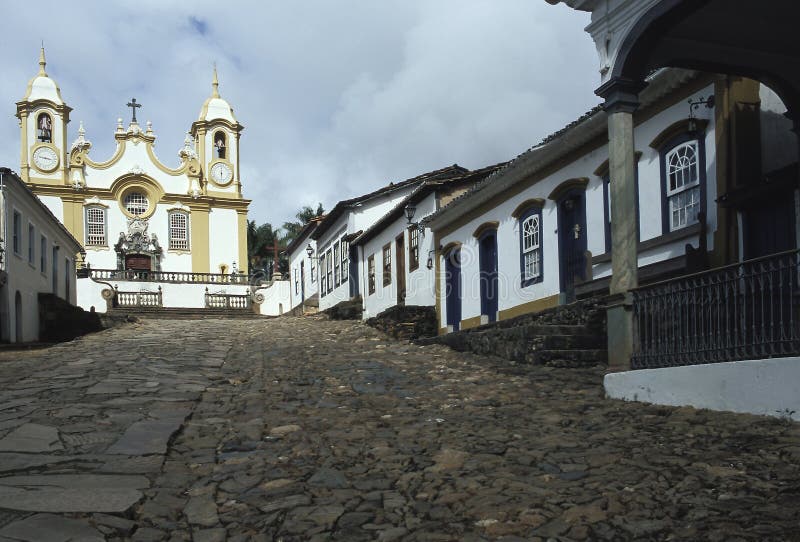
x=569, y=358
x=184, y=313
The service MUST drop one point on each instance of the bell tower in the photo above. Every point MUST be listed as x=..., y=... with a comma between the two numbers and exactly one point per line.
x=217, y=134
x=43, y=118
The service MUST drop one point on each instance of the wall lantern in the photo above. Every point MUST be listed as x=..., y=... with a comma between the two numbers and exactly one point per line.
x=429, y=263
x=310, y=252
x=410, y=211
x=694, y=105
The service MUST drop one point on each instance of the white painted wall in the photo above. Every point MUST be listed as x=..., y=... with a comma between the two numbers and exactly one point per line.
x=276, y=298
x=511, y=292
x=769, y=386
x=352, y=220
x=223, y=239
x=419, y=283
x=310, y=275
x=27, y=275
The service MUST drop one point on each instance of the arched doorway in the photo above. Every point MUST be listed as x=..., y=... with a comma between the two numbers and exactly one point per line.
x=17, y=317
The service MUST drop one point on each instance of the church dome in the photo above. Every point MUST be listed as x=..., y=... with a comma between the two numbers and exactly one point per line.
x=41, y=87
x=215, y=107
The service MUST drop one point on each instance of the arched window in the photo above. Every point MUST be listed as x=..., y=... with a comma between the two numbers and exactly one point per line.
x=178, y=231
x=95, y=227
x=219, y=144
x=531, y=246
x=136, y=203
x=683, y=185
x=44, y=128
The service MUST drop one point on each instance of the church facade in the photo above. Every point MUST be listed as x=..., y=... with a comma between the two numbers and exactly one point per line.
x=131, y=211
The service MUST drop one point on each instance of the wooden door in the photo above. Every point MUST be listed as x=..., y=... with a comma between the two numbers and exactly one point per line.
x=488, y=275
x=452, y=270
x=571, y=242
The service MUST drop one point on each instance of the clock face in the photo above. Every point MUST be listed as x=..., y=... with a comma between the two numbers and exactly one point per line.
x=45, y=159
x=221, y=173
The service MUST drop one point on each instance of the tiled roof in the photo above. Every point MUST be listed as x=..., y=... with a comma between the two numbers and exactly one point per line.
x=307, y=230
x=419, y=193
x=6, y=171
x=343, y=205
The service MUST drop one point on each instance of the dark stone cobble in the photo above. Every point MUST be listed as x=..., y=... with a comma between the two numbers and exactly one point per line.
x=309, y=429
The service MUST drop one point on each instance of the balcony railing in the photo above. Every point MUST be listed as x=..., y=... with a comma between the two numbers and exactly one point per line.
x=167, y=276
x=227, y=301
x=138, y=299
x=748, y=310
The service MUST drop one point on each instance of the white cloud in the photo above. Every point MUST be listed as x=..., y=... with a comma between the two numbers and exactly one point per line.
x=337, y=98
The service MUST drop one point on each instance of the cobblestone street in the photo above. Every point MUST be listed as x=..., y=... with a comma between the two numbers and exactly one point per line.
x=307, y=429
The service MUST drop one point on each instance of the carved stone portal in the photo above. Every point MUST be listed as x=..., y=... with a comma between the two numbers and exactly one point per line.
x=137, y=250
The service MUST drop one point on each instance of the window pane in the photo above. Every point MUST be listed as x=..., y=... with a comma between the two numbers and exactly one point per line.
x=136, y=203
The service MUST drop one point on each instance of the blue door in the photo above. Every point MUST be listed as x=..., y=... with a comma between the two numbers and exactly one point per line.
x=452, y=271
x=571, y=242
x=488, y=274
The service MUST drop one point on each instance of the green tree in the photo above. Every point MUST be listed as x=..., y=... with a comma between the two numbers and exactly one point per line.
x=303, y=217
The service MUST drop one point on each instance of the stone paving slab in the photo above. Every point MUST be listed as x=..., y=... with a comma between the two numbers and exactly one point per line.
x=303, y=429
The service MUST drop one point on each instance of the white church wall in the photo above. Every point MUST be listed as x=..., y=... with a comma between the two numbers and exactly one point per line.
x=90, y=295
x=223, y=239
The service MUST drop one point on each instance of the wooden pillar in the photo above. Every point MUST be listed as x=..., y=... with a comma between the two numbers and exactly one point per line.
x=621, y=97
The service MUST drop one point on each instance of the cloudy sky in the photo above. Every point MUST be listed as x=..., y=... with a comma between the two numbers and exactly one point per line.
x=337, y=98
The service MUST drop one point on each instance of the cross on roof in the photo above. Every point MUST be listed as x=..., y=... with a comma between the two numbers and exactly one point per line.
x=133, y=105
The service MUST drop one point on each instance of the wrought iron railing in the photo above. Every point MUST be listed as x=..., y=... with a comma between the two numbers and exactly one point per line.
x=748, y=310
x=138, y=299
x=167, y=276
x=227, y=301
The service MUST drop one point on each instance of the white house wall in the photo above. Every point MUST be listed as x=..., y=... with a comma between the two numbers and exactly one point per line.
x=29, y=279
x=511, y=293
x=276, y=298
x=419, y=283
x=299, y=292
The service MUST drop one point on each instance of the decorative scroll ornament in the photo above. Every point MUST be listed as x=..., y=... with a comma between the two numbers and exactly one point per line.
x=136, y=169
x=81, y=144
x=187, y=152
x=138, y=241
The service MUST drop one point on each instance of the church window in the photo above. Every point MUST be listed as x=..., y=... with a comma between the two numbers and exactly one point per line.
x=336, y=275
x=178, y=231
x=371, y=274
x=136, y=203
x=219, y=144
x=95, y=226
x=531, y=246
x=345, y=248
x=387, y=265
x=413, y=248
x=17, y=237
x=44, y=128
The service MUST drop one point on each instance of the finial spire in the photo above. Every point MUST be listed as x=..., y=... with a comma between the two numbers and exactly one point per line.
x=215, y=83
x=42, y=61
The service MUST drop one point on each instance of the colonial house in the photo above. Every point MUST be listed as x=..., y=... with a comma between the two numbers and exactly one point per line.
x=154, y=234
x=539, y=232
x=37, y=255
x=727, y=337
x=303, y=270
x=339, y=279
x=395, y=254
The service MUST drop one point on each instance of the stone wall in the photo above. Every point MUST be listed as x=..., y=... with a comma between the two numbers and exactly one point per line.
x=59, y=321
x=345, y=310
x=571, y=335
x=406, y=322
